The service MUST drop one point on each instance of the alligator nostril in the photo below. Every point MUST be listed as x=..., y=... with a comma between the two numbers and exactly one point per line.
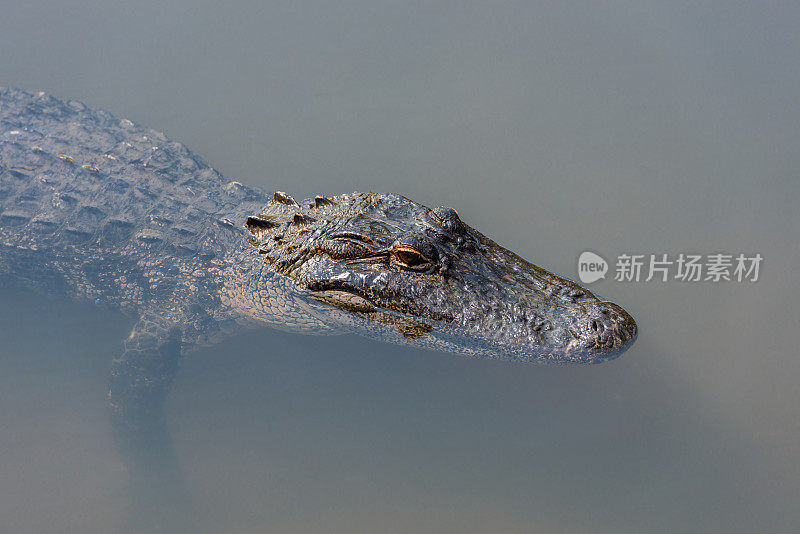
x=598, y=326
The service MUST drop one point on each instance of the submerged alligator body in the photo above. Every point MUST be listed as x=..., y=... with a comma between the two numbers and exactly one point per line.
x=107, y=211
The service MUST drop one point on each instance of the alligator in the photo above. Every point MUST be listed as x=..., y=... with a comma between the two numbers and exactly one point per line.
x=109, y=212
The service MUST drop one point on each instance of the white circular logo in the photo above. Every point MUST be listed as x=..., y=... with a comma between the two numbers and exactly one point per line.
x=591, y=267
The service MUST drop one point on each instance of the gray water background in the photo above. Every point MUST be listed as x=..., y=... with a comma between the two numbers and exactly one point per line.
x=612, y=126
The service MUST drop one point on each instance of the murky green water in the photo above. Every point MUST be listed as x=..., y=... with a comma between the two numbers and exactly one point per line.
x=647, y=128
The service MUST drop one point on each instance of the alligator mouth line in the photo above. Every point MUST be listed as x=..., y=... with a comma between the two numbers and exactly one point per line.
x=349, y=298
x=353, y=303
x=344, y=300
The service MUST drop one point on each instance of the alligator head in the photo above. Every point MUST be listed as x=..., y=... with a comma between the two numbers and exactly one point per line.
x=373, y=253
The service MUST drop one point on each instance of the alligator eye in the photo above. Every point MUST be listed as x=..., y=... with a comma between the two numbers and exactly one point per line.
x=410, y=258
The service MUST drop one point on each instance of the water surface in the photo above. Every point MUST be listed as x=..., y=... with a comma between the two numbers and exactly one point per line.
x=652, y=128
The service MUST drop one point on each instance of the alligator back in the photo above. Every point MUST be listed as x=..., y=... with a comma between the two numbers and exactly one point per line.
x=103, y=208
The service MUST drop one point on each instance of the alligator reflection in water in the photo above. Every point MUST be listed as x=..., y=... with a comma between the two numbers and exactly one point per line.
x=109, y=212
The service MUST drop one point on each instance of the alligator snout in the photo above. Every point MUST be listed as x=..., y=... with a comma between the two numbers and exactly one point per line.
x=605, y=331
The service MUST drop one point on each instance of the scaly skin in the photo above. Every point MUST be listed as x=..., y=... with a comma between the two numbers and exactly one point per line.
x=104, y=210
